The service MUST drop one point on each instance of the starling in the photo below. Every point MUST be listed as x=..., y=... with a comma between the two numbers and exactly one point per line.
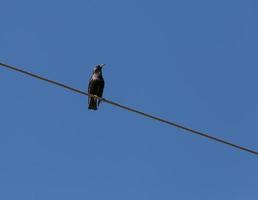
x=96, y=87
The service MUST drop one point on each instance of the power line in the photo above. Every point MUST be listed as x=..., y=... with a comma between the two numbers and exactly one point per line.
x=133, y=110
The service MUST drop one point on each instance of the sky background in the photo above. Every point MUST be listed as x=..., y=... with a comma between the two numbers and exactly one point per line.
x=191, y=62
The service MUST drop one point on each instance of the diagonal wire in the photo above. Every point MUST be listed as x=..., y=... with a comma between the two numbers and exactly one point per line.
x=133, y=110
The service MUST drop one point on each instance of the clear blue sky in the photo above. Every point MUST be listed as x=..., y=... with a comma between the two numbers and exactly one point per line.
x=192, y=62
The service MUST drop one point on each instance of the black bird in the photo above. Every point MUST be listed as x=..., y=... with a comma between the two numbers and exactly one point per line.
x=96, y=87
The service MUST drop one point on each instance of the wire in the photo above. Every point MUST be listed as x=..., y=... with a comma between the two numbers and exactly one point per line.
x=133, y=110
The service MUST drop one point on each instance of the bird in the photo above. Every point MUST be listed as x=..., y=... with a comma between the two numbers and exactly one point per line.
x=96, y=87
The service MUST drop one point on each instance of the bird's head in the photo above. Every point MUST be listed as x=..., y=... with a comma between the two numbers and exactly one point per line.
x=98, y=69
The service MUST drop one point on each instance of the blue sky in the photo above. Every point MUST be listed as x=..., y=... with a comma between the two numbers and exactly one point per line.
x=192, y=62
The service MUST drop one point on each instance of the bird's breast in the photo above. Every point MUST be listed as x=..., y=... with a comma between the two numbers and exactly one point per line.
x=95, y=77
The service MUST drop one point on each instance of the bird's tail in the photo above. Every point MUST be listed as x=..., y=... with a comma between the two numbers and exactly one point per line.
x=92, y=103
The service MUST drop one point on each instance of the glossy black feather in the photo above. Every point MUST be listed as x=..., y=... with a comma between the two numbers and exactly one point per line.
x=95, y=87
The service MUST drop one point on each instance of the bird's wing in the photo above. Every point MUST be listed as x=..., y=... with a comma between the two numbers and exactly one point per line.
x=100, y=89
x=90, y=88
x=90, y=85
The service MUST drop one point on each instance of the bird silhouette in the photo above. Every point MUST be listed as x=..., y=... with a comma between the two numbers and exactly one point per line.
x=96, y=87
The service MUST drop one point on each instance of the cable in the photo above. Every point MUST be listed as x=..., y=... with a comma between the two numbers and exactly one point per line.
x=133, y=110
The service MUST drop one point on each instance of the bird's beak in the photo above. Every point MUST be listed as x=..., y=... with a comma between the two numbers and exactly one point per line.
x=102, y=65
